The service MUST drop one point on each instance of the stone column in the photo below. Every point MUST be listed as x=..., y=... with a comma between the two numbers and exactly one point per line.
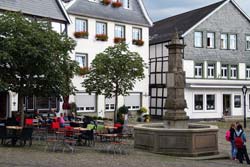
x=175, y=117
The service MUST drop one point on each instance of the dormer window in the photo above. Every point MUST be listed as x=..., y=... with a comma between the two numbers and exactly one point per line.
x=127, y=4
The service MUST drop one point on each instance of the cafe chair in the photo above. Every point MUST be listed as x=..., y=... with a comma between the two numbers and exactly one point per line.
x=3, y=134
x=26, y=134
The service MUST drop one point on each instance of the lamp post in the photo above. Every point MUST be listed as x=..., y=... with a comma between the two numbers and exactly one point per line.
x=244, y=91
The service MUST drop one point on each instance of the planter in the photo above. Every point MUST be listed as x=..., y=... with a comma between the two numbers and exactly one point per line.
x=101, y=37
x=106, y=2
x=138, y=42
x=81, y=34
x=83, y=71
x=116, y=4
x=119, y=40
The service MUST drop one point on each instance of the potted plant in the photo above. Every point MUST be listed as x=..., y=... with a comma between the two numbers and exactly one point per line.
x=119, y=40
x=117, y=4
x=81, y=34
x=106, y=2
x=101, y=37
x=138, y=42
x=146, y=118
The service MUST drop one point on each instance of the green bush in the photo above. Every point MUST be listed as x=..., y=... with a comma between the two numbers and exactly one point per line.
x=123, y=110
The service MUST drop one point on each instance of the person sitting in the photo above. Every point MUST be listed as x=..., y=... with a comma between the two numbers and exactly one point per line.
x=61, y=120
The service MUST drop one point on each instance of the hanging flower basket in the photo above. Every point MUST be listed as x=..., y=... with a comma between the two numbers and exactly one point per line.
x=81, y=34
x=83, y=71
x=106, y=2
x=119, y=40
x=116, y=4
x=138, y=42
x=101, y=37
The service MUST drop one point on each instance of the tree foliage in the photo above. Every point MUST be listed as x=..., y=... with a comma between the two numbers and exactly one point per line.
x=114, y=72
x=34, y=59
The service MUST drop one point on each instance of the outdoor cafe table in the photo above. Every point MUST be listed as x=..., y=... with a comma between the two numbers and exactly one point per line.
x=15, y=131
x=109, y=136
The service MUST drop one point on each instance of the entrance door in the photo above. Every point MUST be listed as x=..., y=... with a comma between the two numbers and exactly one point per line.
x=227, y=105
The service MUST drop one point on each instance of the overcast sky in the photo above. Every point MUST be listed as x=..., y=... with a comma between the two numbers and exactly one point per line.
x=160, y=9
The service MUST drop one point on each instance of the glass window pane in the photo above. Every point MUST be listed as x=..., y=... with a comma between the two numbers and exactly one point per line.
x=198, y=39
x=198, y=102
x=210, y=102
x=237, y=101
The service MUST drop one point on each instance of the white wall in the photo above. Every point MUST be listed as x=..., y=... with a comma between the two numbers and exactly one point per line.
x=92, y=47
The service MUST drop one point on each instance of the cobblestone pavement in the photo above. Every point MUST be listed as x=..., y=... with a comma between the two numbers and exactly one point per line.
x=88, y=157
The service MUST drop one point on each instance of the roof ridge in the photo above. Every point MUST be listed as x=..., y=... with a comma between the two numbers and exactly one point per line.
x=190, y=11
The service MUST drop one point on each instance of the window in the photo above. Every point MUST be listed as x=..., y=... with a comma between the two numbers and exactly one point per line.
x=137, y=33
x=81, y=25
x=210, y=102
x=248, y=42
x=233, y=39
x=58, y=27
x=237, y=101
x=210, y=40
x=43, y=102
x=198, y=70
x=198, y=102
x=85, y=102
x=110, y=107
x=223, y=41
x=126, y=4
x=101, y=28
x=81, y=59
x=119, y=31
x=198, y=39
x=224, y=71
x=110, y=104
x=210, y=70
x=233, y=72
x=248, y=73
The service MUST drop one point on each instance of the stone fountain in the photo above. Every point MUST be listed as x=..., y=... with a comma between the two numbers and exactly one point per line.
x=176, y=136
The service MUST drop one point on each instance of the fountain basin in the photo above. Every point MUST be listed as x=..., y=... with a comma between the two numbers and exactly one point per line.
x=196, y=140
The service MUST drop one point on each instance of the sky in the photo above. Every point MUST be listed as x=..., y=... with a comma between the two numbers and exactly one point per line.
x=160, y=9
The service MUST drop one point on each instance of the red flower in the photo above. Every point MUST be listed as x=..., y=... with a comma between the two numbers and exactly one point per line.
x=138, y=42
x=106, y=2
x=81, y=34
x=117, y=4
x=101, y=37
x=118, y=40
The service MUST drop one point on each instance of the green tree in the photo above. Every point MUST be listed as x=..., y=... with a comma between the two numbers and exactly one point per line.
x=34, y=59
x=114, y=72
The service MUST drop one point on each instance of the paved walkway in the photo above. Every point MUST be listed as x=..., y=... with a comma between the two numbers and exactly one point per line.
x=87, y=157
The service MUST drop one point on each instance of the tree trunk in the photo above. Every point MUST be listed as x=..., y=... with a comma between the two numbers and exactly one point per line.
x=20, y=107
x=116, y=105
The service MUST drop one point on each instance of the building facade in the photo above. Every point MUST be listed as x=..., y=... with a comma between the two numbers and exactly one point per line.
x=39, y=10
x=216, y=60
x=97, y=25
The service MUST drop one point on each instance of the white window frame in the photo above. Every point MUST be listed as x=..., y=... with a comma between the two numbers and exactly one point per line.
x=248, y=42
x=136, y=33
x=198, y=39
x=127, y=4
x=235, y=101
x=208, y=107
x=233, y=72
x=210, y=70
x=119, y=31
x=248, y=72
x=233, y=41
x=84, y=57
x=196, y=106
x=81, y=25
x=224, y=41
x=211, y=40
x=224, y=71
x=198, y=70
x=101, y=28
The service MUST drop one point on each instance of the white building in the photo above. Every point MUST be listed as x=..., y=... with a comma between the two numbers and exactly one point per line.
x=91, y=18
x=55, y=13
x=216, y=60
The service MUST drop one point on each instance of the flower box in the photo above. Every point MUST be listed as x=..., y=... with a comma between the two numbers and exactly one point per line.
x=81, y=34
x=138, y=42
x=106, y=2
x=83, y=71
x=119, y=40
x=101, y=37
x=116, y=4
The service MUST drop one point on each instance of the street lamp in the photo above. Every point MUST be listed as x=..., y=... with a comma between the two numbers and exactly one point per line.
x=244, y=91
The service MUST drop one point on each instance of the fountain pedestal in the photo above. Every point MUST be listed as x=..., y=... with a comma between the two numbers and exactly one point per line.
x=175, y=117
